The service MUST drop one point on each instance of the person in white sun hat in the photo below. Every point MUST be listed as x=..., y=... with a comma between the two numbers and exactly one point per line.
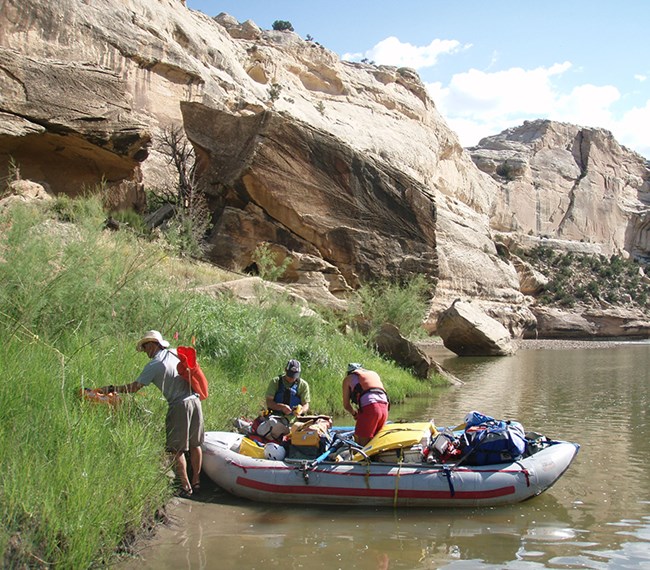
x=184, y=421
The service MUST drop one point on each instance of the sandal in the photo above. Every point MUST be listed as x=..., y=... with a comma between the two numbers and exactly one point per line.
x=196, y=488
x=185, y=493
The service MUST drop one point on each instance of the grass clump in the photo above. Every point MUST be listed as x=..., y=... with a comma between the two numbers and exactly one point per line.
x=403, y=304
x=79, y=479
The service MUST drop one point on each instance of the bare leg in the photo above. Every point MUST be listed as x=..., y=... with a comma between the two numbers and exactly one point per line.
x=196, y=459
x=180, y=468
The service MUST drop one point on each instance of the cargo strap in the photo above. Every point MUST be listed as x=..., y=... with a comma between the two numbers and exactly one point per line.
x=399, y=470
x=525, y=472
x=448, y=472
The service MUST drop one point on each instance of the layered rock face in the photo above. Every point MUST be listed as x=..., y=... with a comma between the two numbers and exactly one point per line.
x=347, y=169
x=68, y=124
x=284, y=182
x=348, y=163
x=568, y=183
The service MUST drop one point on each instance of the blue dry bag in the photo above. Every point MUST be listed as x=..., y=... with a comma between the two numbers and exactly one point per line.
x=494, y=441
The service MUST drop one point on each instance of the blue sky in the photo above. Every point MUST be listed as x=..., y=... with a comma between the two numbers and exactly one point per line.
x=491, y=65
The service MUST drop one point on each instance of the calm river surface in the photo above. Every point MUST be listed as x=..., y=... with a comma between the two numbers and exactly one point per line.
x=596, y=516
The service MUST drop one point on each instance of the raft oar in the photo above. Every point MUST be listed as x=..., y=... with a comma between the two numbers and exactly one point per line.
x=337, y=442
x=323, y=456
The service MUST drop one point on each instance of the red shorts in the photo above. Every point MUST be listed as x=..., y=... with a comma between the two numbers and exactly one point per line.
x=371, y=419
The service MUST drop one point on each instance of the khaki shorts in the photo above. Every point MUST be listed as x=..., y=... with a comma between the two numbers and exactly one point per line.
x=184, y=425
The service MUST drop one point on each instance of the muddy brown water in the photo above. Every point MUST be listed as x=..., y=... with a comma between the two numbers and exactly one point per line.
x=597, y=516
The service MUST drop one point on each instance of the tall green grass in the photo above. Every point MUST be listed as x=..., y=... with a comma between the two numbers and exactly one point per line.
x=403, y=304
x=79, y=479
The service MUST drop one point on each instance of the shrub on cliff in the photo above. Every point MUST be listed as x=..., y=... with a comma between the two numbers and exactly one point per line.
x=589, y=279
x=282, y=26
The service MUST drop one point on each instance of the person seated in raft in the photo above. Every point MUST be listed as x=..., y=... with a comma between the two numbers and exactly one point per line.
x=365, y=390
x=287, y=395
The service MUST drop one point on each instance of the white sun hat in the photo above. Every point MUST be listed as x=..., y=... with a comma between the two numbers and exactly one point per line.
x=151, y=336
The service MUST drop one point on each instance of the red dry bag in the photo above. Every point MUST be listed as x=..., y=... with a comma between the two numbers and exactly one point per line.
x=190, y=370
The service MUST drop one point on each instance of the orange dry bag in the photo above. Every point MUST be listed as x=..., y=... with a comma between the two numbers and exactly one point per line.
x=190, y=370
x=96, y=396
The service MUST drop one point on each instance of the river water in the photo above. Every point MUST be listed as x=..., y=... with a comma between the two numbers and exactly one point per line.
x=596, y=516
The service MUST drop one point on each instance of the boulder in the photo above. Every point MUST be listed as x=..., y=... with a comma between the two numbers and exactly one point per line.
x=468, y=331
x=392, y=344
x=255, y=290
x=531, y=281
x=619, y=322
x=310, y=276
x=560, y=323
x=24, y=191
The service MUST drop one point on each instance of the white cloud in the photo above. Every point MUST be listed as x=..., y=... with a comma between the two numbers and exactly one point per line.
x=391, y=51
x=478, y=104
x=508, y=93
x=587, y=105
x=632, y=129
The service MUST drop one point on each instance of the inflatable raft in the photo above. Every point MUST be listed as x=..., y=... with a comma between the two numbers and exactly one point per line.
x=377, y=476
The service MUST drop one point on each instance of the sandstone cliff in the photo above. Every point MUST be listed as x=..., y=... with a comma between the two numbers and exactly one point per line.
x=347, y=168
x=568, y=183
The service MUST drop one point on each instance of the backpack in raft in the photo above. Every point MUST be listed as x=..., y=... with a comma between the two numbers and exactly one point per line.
x=191, y=372
x=494, y=441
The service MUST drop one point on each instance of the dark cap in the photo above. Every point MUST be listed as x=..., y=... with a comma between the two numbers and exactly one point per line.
x=293, y=369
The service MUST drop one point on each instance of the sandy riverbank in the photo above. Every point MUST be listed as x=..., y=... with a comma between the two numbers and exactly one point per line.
x=573, y=344
x=546, y=344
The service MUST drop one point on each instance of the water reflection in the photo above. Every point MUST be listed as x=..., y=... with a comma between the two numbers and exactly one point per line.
x=596, y=516
x=348, y=538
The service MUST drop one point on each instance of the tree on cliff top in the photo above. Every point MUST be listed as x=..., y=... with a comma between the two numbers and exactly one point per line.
x=282, y=26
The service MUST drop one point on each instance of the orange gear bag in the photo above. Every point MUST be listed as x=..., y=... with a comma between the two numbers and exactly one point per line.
x=190, y=370
x=96, y=396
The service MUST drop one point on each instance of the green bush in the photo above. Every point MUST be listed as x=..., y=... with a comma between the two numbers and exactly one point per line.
x=282, y=26
x=588, y=278
x=131, y=219
x=84, y=211
x=274, y=92
x=401, y=304
x=268, y=266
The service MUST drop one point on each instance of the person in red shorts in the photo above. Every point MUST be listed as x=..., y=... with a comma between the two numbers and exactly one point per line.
x=364, y=389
